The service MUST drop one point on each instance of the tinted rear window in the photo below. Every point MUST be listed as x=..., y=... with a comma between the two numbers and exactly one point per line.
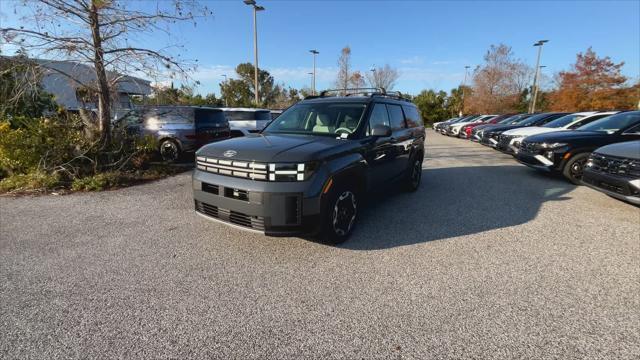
x=171, y=115
x=248, y=115
x=210, y=116
x=396, y=117
x=412, y=116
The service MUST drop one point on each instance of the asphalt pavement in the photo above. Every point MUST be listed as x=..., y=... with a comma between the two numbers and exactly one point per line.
x=488, y=259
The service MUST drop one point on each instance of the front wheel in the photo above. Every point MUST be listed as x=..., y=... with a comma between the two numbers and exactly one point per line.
x=574, y=167
x=341, y=215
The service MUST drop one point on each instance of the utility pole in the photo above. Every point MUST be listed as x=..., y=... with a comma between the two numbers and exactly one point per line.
x=374, y=74
x=313, y=85
x=226, y=102
x=534, y=98
x=256, y=8
x=464, y=85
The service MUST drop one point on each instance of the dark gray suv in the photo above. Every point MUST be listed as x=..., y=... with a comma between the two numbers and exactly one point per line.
x=178, y=129
x=307, y=172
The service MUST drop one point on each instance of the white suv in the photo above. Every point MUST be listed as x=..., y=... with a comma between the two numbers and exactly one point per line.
x=244, y=121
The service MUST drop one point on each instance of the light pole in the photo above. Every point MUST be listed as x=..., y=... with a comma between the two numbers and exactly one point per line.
x=313, y=85
x=256, y=8
x=464, y=84
x=313, y=91
x=373, y=75
x=226, y=102
x=539, y=44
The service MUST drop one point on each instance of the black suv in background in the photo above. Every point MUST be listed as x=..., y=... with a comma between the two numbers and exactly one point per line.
x=567, y=152
x=308, y=171
x=178, y=129
x=491, y=136
x=615, y=170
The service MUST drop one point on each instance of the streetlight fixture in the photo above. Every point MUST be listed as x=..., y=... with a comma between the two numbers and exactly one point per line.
x=532, y=108
x=256, y=8
x=464, y=84
x=313, y=85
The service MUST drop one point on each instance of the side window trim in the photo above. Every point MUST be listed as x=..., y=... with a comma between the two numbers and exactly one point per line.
x=632, y=130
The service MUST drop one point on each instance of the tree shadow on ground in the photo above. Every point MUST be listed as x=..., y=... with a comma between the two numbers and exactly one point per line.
x=454, y=202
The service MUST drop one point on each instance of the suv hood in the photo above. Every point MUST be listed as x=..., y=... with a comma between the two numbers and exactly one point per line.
x=500, y=128
x=629, y=150
x=531, y=130
x=568, y=136
x=272, y=147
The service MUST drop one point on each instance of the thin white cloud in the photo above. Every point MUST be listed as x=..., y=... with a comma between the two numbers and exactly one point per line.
x=413, y=60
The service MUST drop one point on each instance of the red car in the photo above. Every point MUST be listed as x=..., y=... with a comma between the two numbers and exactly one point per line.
x=465, y=132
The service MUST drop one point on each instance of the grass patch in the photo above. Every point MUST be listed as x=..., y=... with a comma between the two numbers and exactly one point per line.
x=32, y=181
x=38, y=181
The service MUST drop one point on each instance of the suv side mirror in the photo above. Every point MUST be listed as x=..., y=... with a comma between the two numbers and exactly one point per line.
x=381, y=131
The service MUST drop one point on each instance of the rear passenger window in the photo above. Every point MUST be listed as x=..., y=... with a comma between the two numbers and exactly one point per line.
x=378, y=116
x=412, y=116
x=396, y=117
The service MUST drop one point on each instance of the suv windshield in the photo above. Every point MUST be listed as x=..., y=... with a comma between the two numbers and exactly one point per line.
x=236, y=115
x=319, y=119
x=513, y=119
x=613, y=123
x=563, y=121
x=533, y=119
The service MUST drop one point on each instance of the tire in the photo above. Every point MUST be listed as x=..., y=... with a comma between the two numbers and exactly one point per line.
x=169, y=150
x=573, y=168
x=414, y=175
x=340, y=215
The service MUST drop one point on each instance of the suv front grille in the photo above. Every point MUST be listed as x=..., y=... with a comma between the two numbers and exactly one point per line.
x=241, y=169
x=505, y=139
x=231, y=216
x=614, y=165
x=529, y=147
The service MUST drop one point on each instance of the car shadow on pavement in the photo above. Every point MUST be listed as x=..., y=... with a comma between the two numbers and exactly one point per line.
x=454, y=202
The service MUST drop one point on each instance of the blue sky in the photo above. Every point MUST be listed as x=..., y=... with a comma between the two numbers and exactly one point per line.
x=430, y=42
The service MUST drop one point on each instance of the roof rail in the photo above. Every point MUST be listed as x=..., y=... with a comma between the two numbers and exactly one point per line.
x=371, y=92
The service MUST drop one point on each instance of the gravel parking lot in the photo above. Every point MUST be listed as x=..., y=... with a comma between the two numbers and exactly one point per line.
x=489, y=259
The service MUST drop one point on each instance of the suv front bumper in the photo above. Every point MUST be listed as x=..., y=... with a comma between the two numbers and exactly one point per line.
x=272, y=208
x=627, y=189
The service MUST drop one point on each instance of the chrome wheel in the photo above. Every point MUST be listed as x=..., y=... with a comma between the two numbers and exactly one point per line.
x=576, y=169
x=169, y=150
x=344, y=213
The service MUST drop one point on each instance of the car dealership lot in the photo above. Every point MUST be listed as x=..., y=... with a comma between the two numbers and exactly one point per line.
x=487, y=259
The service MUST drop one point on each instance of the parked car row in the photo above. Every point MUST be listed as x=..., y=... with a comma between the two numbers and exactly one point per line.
x=600, y=149
x=184, y=129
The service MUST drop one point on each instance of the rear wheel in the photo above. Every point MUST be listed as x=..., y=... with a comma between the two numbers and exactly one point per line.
x=169, y=150
x=341, y=215
x=414, y=175
x=574, y=167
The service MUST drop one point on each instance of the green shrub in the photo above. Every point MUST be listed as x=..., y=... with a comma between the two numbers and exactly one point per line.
x=38, y=144
x=30, y=181
x=98, y=182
